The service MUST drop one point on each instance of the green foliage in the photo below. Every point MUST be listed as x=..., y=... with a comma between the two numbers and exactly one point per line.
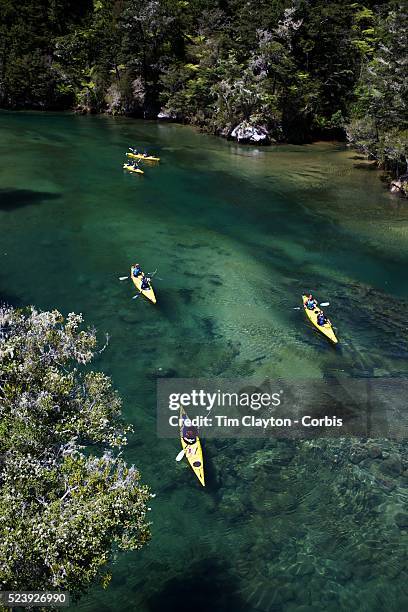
x=380, y=110
x=363, y=31
x=299, y=68
x=63, y=506
x=27, y=33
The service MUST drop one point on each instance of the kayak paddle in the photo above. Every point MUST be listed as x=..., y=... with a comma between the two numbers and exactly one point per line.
x=121, y=278
x=322, y=304
x=181, y=454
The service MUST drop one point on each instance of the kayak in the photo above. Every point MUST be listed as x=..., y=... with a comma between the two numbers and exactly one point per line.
x=193, y=452
x=145, y=157
x=326, y=329
x=149, y=293
x=132, y=169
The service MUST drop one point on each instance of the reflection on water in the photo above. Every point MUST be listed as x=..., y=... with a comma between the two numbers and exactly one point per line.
x=237, y=235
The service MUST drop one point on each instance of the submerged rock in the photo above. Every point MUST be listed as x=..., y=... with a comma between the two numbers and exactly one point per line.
x=391, y=466
x=404, y=478
x=401, y=519
x=357, y=454
x=374, y=452
x=247, y=133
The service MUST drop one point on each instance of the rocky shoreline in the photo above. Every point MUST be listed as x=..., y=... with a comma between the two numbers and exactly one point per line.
x=247, y=132
x=400, y=186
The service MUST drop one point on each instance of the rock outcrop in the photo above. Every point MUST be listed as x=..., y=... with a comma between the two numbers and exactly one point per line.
x=164, y=115
x=400, y=186
x=247, y=133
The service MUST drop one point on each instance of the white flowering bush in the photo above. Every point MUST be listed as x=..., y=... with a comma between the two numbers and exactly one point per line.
x=67, y=499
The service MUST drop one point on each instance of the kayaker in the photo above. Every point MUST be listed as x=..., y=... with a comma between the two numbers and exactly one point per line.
x=137, y=270
x=311, y=302
x=145, y=283
x=321, y=319
x=189, y=434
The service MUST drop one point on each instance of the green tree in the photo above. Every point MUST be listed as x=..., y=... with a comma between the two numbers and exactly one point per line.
x=66, y=497
x=27, y=31
x=382, y=95
x=152, y=36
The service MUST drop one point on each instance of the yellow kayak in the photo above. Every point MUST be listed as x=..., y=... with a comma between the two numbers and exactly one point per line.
x=149, y=293
x=132, y=169
x=144, y=157
x=193, y=452
x=326, y=329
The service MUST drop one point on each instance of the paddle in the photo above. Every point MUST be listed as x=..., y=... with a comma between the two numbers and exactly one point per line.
x=136, y=296
x=157, y=277
x=181, y=454
x=322, y=304
x=122, y=278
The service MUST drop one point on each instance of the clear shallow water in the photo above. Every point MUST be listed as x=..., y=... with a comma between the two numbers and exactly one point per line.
x=237, y=234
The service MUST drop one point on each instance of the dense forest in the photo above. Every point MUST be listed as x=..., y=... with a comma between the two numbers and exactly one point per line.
x=283, y=70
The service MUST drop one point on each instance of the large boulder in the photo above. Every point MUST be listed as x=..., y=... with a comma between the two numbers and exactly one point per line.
x=400, y=186
x=247, y=133
x=165, y=115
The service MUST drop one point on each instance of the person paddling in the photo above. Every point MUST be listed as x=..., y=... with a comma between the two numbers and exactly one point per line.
x=137, y=270
x=311, y=303
x=145, y=283
x=189, y=434
x=321, y=319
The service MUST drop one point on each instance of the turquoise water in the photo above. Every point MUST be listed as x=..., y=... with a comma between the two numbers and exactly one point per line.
x=237, y=234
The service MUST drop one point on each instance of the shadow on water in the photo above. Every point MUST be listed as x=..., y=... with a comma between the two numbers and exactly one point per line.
x=366, y=165
x=206, y=586
x=212, y=483
x=11, y=199
x=11, y=300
